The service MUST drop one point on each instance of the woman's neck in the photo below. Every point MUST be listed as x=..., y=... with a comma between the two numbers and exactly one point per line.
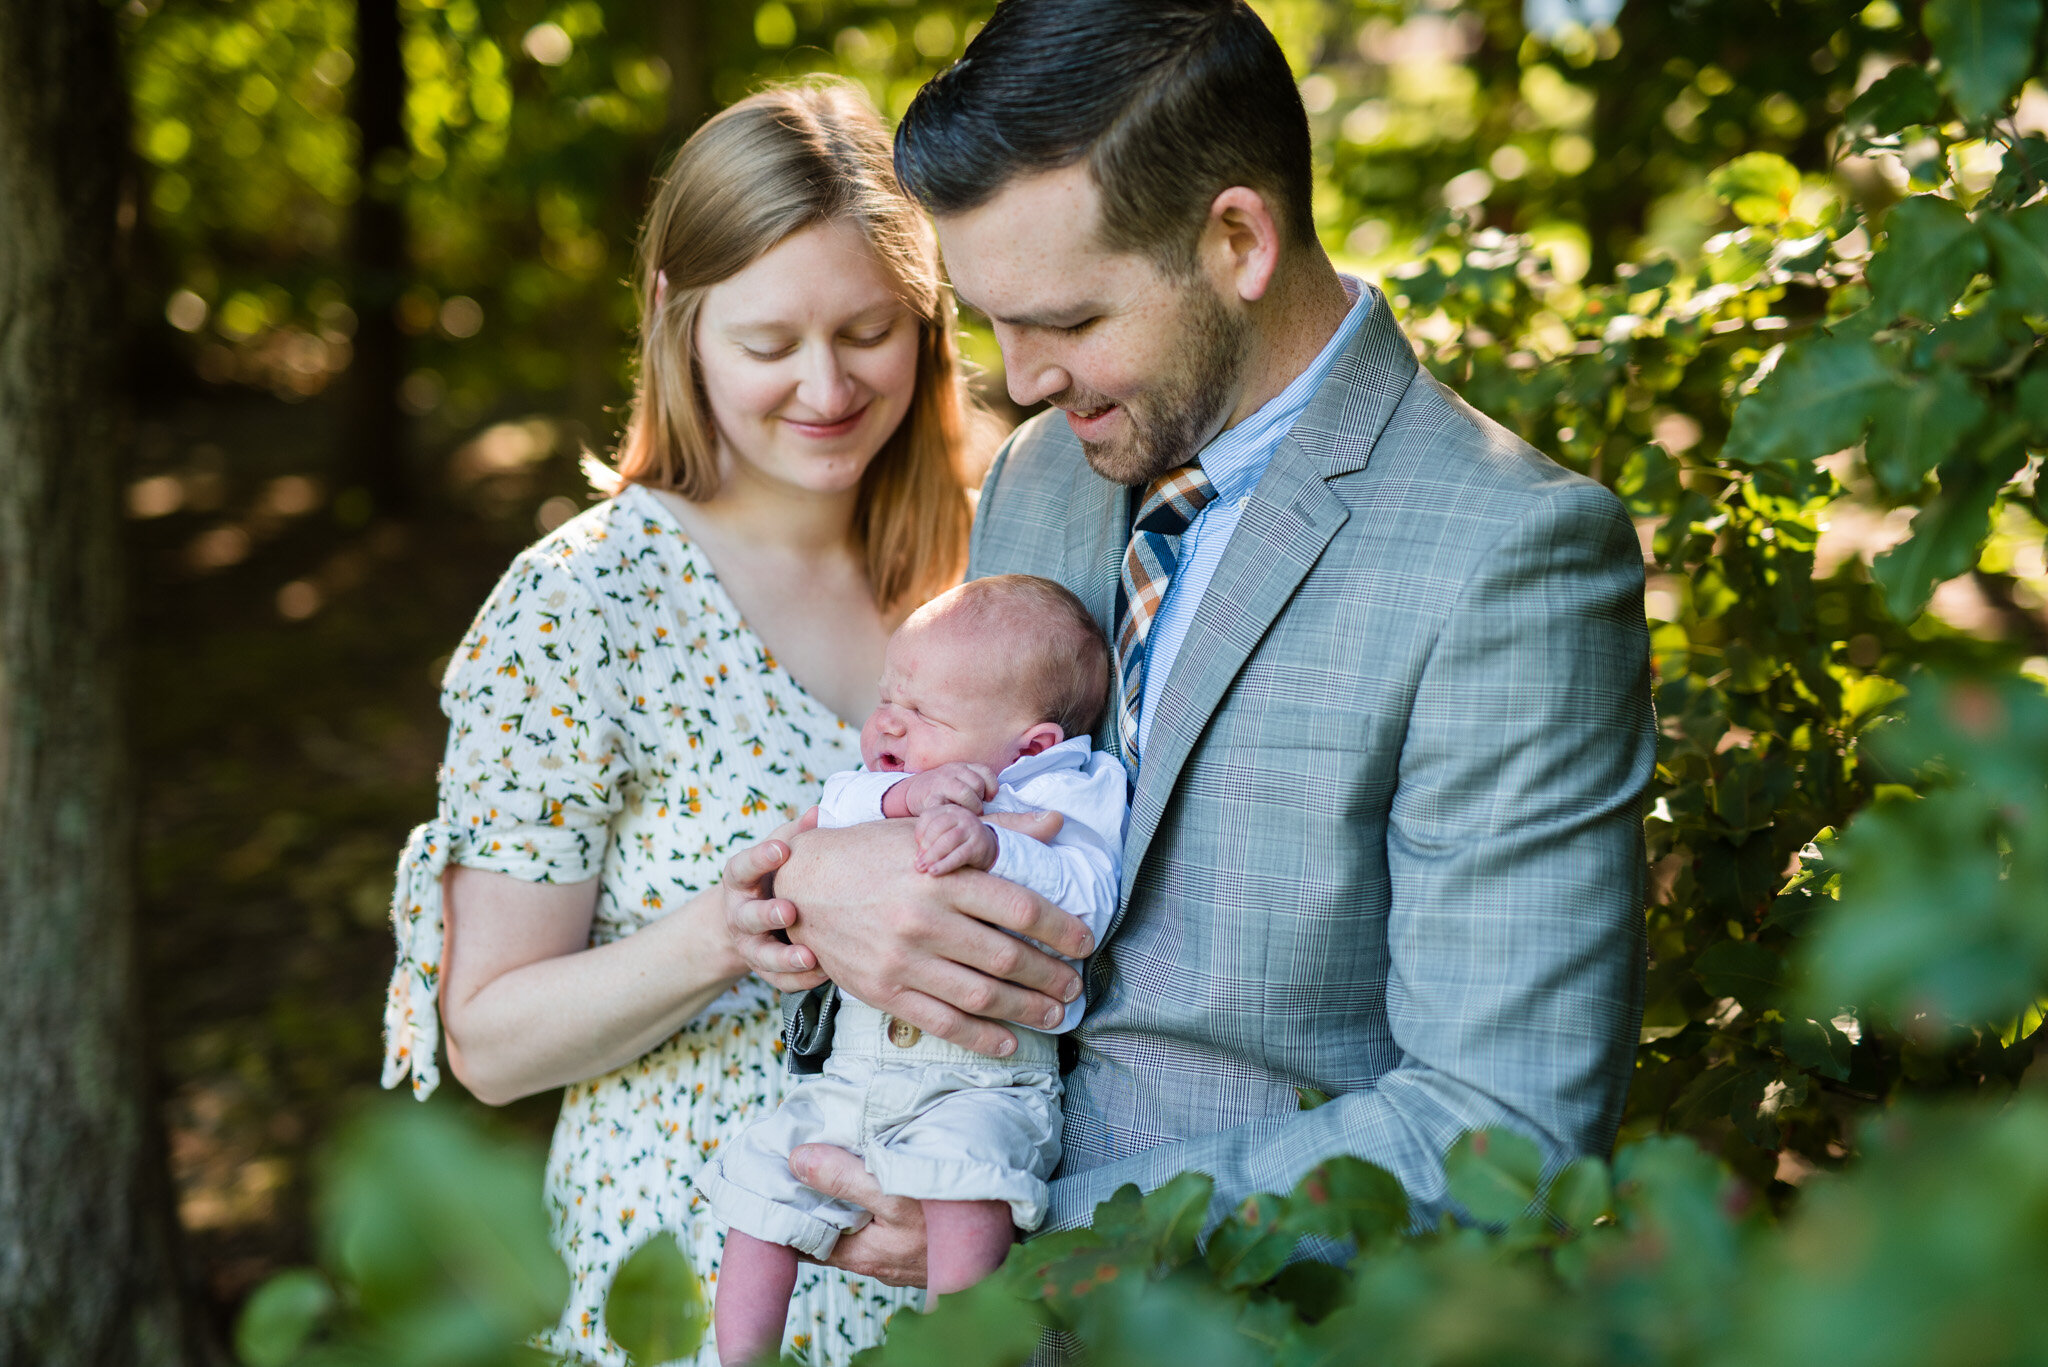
x=768, y=516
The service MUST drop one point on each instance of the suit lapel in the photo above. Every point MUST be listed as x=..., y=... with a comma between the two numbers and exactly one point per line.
x=1287, y=522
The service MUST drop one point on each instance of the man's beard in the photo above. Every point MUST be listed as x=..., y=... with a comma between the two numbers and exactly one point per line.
x=1172, y=420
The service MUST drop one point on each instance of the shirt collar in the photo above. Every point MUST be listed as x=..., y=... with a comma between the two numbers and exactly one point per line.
x=1071, y=753
x=1237, y=459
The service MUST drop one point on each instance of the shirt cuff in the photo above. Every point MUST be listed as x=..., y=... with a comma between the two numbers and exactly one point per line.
x=853, y=798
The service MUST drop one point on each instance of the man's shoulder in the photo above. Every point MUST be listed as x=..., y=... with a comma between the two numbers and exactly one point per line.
x=1042, y=453
x=1027, y=498
x=1438, y=455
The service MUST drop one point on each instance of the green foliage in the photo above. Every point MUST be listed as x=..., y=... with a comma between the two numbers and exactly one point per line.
x=433, y=1252
x=655, y=1310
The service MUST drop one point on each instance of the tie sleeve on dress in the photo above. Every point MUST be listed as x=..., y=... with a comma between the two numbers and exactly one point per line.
x=412, y=1007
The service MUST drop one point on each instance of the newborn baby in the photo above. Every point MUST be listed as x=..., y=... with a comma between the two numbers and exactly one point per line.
x=989, y=694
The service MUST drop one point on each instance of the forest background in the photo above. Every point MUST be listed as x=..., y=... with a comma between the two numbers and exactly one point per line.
x=1776, y=272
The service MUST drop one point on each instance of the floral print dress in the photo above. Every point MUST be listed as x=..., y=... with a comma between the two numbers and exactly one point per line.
x=611, y=716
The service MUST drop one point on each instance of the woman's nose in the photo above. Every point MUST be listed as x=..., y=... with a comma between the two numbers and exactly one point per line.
x=825, y=388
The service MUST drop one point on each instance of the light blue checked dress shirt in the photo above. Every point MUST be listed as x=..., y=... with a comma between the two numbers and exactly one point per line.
x=1234, y=462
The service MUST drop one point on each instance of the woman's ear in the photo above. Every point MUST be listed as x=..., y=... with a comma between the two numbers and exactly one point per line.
x=1040, y=739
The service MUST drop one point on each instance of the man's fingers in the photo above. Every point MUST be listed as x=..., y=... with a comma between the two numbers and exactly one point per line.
x=1040, y=826
x=935, y=1017
x=1009, y=907
x=835, y=1172
x=745, y=870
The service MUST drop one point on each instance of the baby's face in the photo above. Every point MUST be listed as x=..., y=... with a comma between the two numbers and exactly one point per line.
x=948, y=697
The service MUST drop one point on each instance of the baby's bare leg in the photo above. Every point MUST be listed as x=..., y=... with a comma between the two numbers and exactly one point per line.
x=965, y=1241
x=754, y=1281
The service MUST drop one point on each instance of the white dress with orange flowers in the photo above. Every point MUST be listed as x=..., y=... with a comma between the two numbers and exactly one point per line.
x=611, y=716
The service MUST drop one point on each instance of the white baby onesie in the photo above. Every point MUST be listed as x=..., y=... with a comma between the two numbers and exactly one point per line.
x=932, y=1120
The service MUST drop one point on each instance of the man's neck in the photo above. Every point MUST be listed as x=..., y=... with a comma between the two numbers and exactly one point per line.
x=1291, y=326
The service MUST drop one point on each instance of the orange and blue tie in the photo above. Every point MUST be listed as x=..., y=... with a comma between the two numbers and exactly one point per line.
x=1171, y=503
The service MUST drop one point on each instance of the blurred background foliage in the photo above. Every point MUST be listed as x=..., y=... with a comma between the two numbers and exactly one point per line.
x=1774, y=270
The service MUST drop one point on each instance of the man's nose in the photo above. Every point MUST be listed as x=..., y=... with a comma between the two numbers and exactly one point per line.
x=1030, y=372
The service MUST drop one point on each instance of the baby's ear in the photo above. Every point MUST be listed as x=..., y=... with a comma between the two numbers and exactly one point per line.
x=1041, y=738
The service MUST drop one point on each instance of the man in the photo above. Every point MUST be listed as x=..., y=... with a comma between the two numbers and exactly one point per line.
x=1382, y=668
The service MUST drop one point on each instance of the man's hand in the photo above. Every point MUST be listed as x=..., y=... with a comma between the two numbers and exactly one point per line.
x=755, y=915
x=932, y=951
x=891, y=1247
x=950, y=837
x=962, y=785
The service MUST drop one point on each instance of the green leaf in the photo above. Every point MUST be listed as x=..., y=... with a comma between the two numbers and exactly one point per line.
x=1494, y=1174
x=1917, y=423
x=1931, y=250
x=1758, y=186
x=1904, y=95
x=1348, y=1198
x=2019, y=242
x=281, y=1316
x=1742, y=969
x=1985, y=47
x=986, y=1325
x=655, y=1309
x=1949, y=533
x=1173, y=1216
x=1311, y=1097
x=1818, y=1047
x=1817, y=401
x=1582, y=1193
x=1251, y=1247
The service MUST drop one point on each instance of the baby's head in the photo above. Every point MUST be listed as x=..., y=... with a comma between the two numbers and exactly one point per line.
x=987, y=673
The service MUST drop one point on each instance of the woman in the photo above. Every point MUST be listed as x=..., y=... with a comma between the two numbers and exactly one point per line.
x=666, y=678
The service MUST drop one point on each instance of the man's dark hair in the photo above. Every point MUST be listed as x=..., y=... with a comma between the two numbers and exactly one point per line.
x=1170, y=101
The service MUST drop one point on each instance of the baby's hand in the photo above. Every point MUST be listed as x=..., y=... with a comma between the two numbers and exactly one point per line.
x=962, y=785
x=950, y=837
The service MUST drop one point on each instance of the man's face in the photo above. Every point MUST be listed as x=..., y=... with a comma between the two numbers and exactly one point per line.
x=1145, y=365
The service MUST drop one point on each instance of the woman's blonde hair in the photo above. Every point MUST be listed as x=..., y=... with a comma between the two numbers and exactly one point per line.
x=775, y=163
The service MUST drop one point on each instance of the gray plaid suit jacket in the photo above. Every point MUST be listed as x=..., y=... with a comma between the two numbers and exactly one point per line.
x=1386, y=840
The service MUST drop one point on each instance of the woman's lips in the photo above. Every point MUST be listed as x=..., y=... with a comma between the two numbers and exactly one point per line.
x=1090, y=424
x=826, y=430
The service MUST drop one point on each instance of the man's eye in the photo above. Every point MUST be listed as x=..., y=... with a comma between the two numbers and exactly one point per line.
x=1076, y=329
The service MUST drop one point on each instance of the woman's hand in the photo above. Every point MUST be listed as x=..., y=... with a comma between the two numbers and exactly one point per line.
x=891, y=1247
x=755, y=915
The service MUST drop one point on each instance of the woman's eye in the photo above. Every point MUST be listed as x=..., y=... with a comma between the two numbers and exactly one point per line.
x=773, y=355
x=872, y=338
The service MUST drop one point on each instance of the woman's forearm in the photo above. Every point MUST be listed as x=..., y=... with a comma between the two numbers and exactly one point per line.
x=527, y=1007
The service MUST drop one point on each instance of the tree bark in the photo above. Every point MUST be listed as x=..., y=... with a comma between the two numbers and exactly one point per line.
x=88, y=1272
x=377, y=436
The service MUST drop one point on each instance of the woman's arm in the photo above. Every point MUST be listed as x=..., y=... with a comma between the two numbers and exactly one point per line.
x=528, y=1005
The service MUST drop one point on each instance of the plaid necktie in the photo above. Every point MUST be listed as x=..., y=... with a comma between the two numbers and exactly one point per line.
x=1171, y=502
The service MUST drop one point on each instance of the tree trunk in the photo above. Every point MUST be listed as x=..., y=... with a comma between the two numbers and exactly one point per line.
x=88, y=1273
x=377, y=437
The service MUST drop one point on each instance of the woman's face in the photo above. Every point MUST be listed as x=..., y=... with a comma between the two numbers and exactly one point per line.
x=809, y=360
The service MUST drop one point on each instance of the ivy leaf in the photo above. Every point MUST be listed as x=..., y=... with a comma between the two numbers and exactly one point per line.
x=1494, y=1174
x=655, y=1310
x=1742, y=969
x=1758, y=186
x=281, y=1316
x=1931, y=250
x=1817, y=401
x=2019, y=241
x=1582, y=1193
x=1985, y=47
x=1916, y=424
x=1903, y=96
x=1818, y=1047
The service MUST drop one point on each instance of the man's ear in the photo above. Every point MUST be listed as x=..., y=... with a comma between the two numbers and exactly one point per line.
x=1241, y=244
x=1040, y=739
